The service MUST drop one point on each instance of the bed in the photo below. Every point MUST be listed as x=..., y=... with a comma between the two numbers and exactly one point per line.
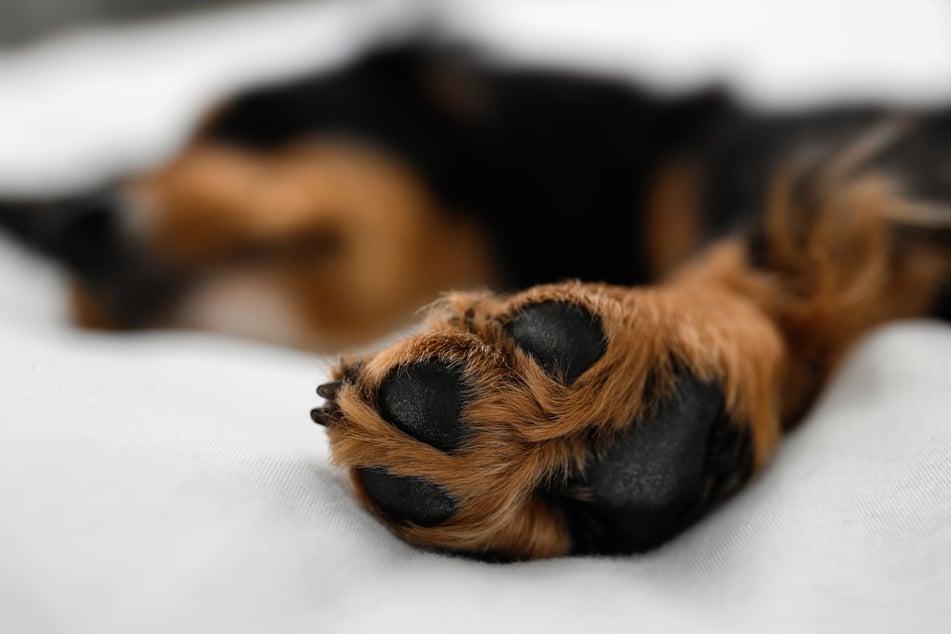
x=174, y=482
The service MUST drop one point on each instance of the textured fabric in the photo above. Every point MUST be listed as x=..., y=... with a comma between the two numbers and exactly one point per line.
x=174, y=483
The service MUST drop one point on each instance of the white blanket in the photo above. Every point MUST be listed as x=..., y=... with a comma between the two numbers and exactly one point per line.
x=174, y=483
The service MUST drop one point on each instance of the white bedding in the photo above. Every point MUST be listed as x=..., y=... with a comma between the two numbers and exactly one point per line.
x=174, y=482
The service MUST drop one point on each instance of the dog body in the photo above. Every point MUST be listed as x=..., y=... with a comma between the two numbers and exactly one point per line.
x=719, y=263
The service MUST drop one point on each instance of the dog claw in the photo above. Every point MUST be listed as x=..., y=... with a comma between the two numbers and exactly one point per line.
x=323, y=416
x=329, y=391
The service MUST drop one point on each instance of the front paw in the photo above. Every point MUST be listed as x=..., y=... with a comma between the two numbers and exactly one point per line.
x=568, y=418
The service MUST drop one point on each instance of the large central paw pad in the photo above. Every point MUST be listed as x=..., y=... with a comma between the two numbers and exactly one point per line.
x=655, y=478
x=657, y=464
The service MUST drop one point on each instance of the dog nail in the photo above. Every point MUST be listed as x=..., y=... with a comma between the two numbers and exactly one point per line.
x=329, y=390
x=322, y=416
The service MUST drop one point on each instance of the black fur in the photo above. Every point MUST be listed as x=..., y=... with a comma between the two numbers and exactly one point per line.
x=553, y=166
x=83, y=233
x=556, y=167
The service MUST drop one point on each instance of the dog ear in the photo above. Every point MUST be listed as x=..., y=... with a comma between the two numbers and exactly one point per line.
x=80, y=232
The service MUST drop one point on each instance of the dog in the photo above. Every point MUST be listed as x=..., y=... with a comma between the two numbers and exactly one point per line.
x=649, y=290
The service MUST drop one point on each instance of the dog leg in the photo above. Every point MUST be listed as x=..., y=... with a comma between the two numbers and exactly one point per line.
x=591, y=418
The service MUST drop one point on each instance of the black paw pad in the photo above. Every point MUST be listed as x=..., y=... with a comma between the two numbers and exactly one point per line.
x=408, y=499
x=659, y=475
x=564, y=339
x=659, y=462
x=425, y=400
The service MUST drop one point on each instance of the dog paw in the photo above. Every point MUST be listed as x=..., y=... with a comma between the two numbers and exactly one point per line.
x=570, y=418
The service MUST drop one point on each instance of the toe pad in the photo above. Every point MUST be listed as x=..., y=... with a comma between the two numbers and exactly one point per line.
x=425, y=400
x=407, y=499
x=564, y=339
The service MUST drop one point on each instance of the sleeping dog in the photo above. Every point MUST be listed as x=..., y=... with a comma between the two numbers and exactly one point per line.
x=649, y=290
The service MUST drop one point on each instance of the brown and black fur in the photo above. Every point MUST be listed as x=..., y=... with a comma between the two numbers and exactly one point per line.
x=670, y=281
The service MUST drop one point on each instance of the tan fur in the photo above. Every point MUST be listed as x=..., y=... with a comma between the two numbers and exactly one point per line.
x=673, y=227
x=349, y=235
x=85, y=310
x=770, y=336
x=528, y=428
x=351, y=242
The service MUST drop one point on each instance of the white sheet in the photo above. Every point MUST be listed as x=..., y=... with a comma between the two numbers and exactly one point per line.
x=173, y=482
